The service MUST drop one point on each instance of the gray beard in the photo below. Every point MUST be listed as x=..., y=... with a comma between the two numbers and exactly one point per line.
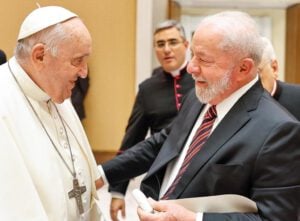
x=213, y=90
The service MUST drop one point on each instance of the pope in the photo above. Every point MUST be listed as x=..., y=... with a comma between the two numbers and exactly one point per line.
x=47, y=168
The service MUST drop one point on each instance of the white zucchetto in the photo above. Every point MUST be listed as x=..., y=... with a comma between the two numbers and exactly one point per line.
x=42, y=18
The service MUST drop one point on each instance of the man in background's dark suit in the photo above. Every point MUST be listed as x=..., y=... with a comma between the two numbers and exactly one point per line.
x=253, y=149
x=78, y=94
x=286, y=94
x=2, y=57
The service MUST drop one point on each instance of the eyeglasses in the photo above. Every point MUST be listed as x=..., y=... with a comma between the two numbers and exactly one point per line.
x=172, y=43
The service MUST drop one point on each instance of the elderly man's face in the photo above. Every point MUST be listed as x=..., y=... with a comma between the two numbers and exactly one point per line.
x=211, y=68
x=61, y=71
x=170, y=49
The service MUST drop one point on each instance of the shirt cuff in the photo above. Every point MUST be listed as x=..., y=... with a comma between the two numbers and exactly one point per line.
x=117, y=195
x=102, y=174
x=199, y=216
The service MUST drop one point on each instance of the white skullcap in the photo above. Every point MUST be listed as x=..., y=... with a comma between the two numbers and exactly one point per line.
x=42, y=18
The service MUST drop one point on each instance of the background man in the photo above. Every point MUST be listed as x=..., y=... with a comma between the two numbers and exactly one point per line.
x=246, y=144
x=47, y=168
x=159, y=97
x=286, y=94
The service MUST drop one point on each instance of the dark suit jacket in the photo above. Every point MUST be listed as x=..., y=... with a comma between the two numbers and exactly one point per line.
x=288, y=95
x=254, y=152
x=154, y=108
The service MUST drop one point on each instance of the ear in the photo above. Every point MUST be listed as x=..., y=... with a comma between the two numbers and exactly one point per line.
x=38, y=53
x=186, y=44
x=274, y=65
x=246, y=66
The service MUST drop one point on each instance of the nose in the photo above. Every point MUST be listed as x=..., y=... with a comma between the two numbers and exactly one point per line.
x=166, y=48
x=83, y=71
x=192, y=68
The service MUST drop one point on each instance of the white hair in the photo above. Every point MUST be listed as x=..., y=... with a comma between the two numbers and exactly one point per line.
x=268, y=54
x=239, y=31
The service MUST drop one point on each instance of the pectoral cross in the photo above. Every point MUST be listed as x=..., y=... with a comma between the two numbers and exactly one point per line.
x=76, y=192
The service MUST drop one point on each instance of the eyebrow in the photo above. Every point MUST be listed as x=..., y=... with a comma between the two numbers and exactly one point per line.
x=169, y=39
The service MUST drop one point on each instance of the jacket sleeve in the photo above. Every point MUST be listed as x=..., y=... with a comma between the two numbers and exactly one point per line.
x=136, y=131
x=135, y=161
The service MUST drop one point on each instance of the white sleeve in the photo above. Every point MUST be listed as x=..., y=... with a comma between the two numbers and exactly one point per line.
x=199, y=216
x=102, y=174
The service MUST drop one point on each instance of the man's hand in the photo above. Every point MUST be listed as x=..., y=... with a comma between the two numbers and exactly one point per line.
x=166, y=211
x=99, y=183
x=117, y=205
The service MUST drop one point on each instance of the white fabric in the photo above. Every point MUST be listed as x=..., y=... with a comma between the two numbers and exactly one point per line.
x=42, y=18
x=34, y=181
x=225, y=203
x=199, y=216
x=222, y=109
x=177, y=72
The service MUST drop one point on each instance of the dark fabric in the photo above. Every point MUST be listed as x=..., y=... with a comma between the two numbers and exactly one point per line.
x=254, y=152
x=154, y=108
x=78, y=94
x=288, y=95
x=155, y=105
x=2, y=57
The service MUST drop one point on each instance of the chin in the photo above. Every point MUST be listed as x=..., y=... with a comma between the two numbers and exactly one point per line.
x=58, y=100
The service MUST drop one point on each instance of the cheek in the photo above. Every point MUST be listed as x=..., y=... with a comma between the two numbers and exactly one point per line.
x=180, y=53
x=159, y=55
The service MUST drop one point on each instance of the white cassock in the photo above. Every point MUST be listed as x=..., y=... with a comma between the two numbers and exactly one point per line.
x=34, y=181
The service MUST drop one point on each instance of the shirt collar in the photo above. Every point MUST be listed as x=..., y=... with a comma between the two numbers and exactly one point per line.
x=28, y=86
x=274, y=88
x=223, y=107
x=177, y=71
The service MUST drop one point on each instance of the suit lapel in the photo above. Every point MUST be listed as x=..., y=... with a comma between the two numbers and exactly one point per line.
x=177, y=138
x=229, y=126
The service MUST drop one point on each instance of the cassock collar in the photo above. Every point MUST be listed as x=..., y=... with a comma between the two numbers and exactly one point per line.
x=177, y=72
x=29, y=87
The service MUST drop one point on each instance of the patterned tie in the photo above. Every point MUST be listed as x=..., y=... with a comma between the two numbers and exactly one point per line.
x=199, y=139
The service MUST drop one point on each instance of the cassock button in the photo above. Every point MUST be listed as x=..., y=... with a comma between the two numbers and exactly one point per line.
x=178, y=86
x=61, y=131
x=179, y=95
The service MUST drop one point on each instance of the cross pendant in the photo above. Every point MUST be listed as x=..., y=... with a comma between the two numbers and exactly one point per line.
x=76, y=192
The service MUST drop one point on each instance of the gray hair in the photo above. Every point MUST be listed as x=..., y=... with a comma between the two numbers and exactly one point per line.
x=239, y=31
x=51, y=37
x=268, y=54
x=170, y=24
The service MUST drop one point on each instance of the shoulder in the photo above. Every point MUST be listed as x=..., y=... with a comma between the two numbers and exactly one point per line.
x=158, y=77
x=288, y=86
